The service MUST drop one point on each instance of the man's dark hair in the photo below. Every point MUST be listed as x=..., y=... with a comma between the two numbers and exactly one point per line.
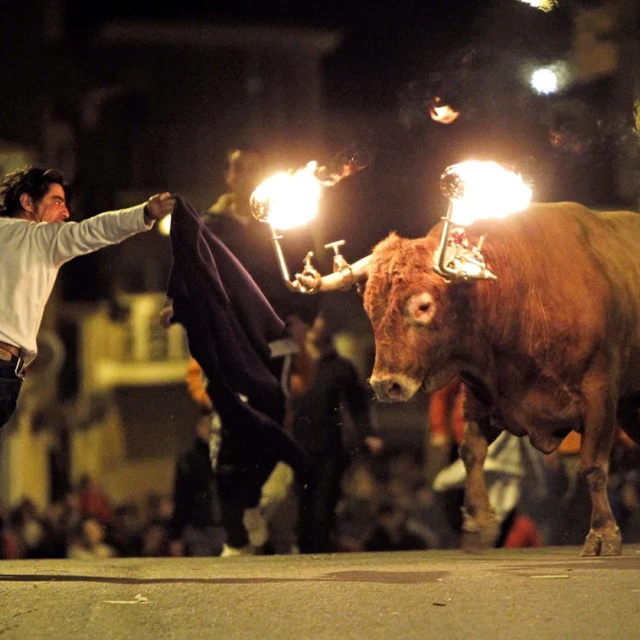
x=33, y=181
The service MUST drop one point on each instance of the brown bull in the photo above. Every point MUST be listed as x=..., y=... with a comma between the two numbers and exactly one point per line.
x=552, y=346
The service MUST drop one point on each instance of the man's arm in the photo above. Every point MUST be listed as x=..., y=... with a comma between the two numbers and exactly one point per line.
x=357, y=404
x=66, y=240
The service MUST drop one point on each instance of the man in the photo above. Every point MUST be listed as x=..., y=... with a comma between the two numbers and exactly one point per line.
x=196, y=526
x=332, y=401
x=36, y=241
x=243, y=173
x=231, y=220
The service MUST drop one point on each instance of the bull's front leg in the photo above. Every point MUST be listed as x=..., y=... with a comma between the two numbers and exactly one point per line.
x=604, y=537
x=480, y=526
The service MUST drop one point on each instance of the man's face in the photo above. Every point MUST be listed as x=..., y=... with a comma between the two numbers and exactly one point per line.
x=53, y=206
x=245, y=171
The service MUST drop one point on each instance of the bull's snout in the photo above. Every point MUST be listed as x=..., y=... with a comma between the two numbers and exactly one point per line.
x=393, y=388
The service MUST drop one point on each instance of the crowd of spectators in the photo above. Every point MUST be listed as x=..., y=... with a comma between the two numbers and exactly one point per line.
x=385, y=505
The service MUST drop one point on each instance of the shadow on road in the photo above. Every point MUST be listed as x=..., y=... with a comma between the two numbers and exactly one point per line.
x=383, y=577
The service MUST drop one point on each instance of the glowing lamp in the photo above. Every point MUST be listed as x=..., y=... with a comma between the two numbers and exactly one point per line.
x=543, y=5
x=475, y=190
x=544, y=81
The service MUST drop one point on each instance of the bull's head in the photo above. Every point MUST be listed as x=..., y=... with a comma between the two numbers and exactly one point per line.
x=411, y=311
x=416, y=288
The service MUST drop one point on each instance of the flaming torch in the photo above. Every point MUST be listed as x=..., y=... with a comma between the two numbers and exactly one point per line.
x=290, y=199
x=475, y=190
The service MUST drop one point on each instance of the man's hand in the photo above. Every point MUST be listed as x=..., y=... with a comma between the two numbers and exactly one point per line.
x=159, y=206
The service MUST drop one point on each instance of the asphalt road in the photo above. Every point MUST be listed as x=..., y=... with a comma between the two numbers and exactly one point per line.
x=504, y=594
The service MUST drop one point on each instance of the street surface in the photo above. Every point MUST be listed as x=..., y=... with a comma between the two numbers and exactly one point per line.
x=536, y=594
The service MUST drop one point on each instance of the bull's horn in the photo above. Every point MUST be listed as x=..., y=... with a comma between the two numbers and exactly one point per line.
x=342, y=279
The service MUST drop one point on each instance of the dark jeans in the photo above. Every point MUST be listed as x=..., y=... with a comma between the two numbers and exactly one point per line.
x=318, y=501
x=10, y=385
x=203, y=542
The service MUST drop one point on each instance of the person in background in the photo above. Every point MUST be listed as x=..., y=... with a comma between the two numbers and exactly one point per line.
x=196, y=527
x=231, y=221
x=320, y=410
x=509, y=460
x=391, y=532
x=87, y=543
x=93, y=502
x=36, y=241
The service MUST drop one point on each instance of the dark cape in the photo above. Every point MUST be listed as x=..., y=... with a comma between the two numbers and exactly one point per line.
x=229, y=324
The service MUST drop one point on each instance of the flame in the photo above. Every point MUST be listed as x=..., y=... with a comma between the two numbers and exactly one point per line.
x=442, y=113
x=288, y=199
x=543, y=5
x=483, y=190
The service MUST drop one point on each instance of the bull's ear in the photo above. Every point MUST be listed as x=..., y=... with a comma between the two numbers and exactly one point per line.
x=421, y=308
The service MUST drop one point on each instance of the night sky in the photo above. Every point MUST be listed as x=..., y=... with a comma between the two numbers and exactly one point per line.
x=395, y=57
x=385, y=44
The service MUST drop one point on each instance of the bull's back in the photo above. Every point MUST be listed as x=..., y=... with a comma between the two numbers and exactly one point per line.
x=577, y=272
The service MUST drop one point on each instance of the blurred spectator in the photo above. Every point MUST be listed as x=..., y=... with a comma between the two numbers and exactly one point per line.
x=28, y=526
x=93, y=501
x=624, y=487
x=391, y=532
x=333, y=400
x=10, y=540
x=159, y=509
x=509, y=460
x=196, y=526
x=155, y=542
x=87, y=542
x=56, y=533
x=356, y=510
x=231, y=220
x=125, y=532
x=429, y=521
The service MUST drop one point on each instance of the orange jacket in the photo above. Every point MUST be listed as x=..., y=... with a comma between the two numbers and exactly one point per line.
x=196, y=384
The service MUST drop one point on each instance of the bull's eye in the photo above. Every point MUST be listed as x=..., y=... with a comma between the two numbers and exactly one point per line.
x=421, y=308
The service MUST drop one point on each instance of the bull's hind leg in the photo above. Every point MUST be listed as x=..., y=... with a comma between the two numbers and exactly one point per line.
x=604, y=537
x=480, y=526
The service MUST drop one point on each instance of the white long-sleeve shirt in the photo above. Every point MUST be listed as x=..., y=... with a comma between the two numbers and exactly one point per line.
x=31, y=254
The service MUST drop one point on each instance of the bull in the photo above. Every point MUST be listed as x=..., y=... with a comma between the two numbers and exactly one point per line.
x=551, y=346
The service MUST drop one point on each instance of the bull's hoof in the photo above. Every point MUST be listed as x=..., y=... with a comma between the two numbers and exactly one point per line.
x=602, y=544
x=479, y=534
x=475, y=542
